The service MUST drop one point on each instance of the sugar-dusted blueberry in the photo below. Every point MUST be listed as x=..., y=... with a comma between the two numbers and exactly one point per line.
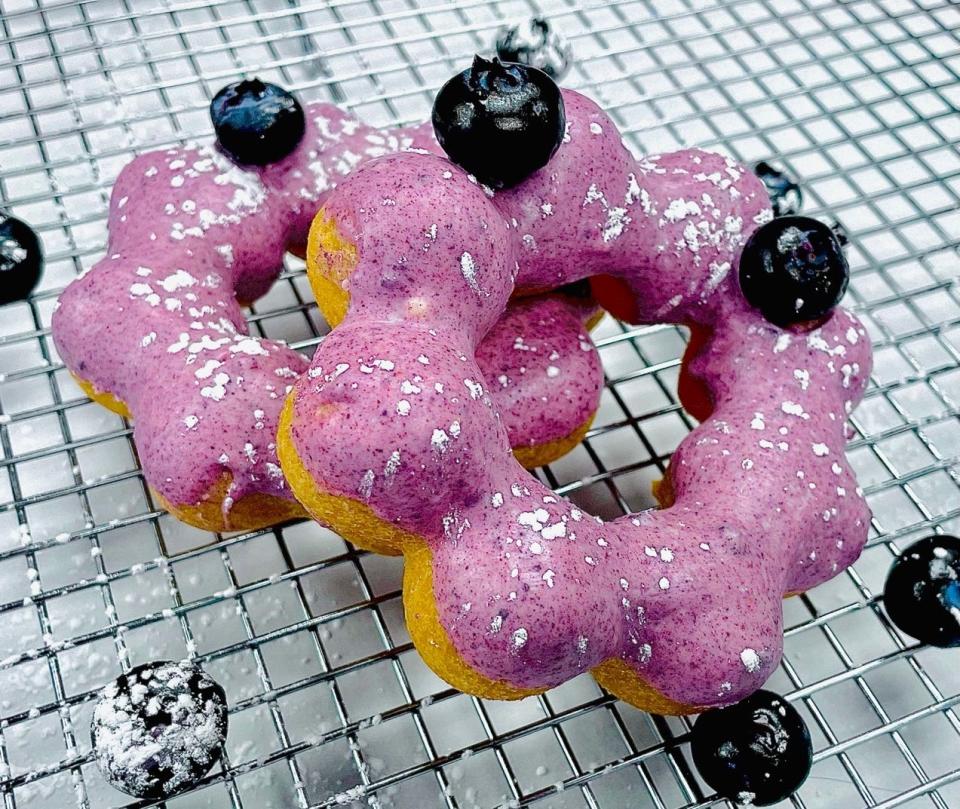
x=500, y=122
x=21, y=259
x=793, y=270
x=257, y=123
x=158, y=728
x=533, y=42
x=757, y=751
x=922, y=592
x=786, y=198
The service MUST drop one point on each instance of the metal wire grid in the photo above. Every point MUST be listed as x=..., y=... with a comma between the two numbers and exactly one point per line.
x=330, y=705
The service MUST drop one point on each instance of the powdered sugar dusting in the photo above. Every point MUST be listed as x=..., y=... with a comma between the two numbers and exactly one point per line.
x=158, y=728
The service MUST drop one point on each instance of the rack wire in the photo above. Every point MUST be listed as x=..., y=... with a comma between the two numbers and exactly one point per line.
x=329, y=703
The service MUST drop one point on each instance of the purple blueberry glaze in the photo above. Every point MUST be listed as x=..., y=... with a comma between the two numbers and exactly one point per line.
x=531, y=590
x=544, y=372
x=156, y=322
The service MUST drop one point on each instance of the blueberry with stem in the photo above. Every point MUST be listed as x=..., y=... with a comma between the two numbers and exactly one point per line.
x=500, y=122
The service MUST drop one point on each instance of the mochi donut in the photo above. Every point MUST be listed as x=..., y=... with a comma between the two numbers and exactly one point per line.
x=155, y=332
x=509, y=589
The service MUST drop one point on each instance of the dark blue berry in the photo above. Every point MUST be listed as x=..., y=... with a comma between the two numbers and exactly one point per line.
x=534, y=43
x=257, y=123
x=786, y=198
x=757, y=751
x=500, y=122
x=21, y=259
x=159, y=728
x=840, y=232
x=793, y=270
x=922, y=593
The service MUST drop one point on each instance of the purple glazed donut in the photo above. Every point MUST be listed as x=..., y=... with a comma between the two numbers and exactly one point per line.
x=155, y=329
x=508, y=588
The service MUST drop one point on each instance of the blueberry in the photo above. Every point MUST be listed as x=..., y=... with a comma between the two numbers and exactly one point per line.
x=257, y=123
x=840, y=232
x=793, y=270
x=757, y=751
x=21, y=259
x=500, y=122
x=158, y=728
x=534, y=43
x=922, y=593
x=786, y=198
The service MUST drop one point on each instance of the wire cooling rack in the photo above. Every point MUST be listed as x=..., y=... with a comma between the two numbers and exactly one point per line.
x=330, y=704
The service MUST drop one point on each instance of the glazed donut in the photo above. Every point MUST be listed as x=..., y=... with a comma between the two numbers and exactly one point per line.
x=509, y=589
x=155, y=330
